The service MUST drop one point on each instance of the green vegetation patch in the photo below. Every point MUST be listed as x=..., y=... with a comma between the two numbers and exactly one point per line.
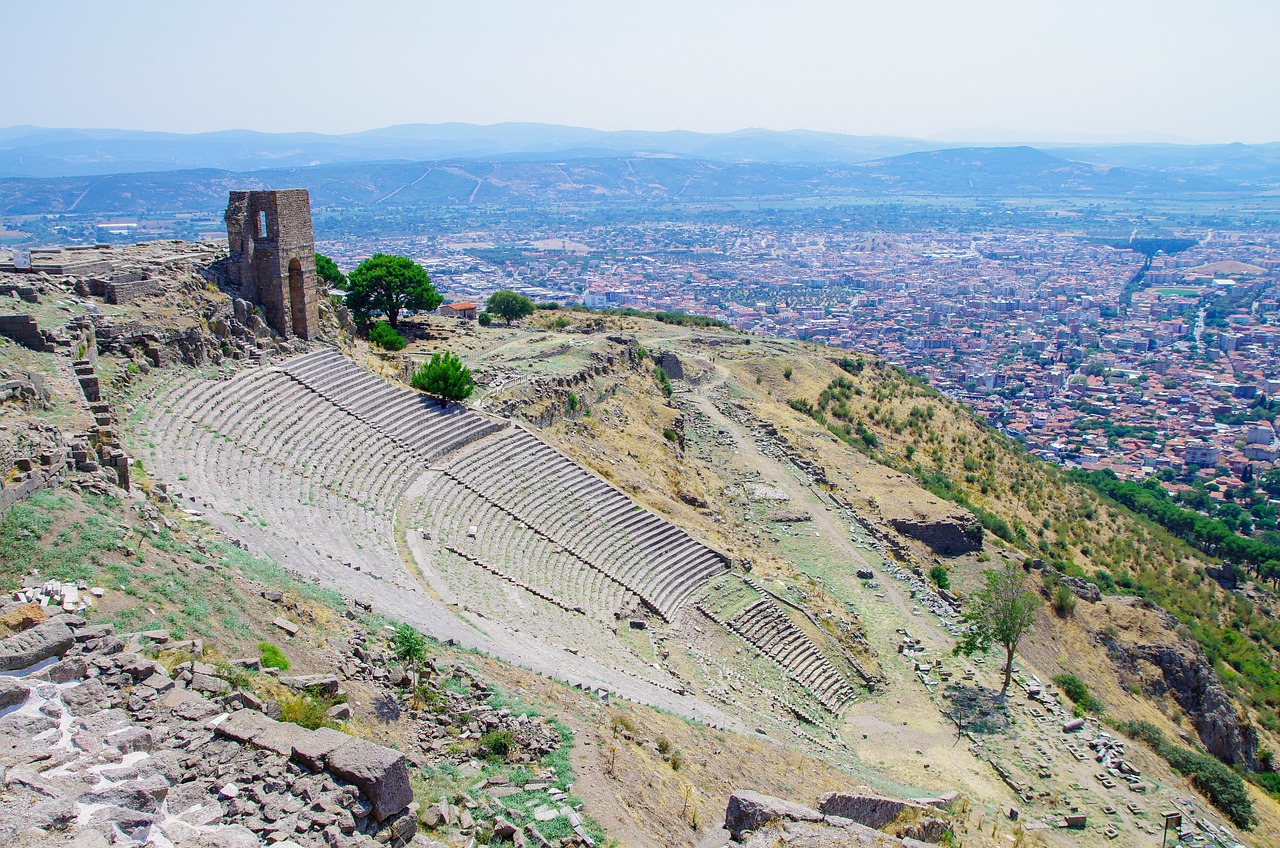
x=1217, y=781
x=1075, y=689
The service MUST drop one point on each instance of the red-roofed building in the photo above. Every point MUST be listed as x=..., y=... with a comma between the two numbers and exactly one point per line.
x=462, y=309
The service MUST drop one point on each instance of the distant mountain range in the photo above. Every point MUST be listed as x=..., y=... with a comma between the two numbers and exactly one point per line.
x=39, y=152
x=118, y=171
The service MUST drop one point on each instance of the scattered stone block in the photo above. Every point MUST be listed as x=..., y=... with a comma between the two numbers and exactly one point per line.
x=242, y=725
x=47, y=639
x=286, y=625
x=750, y=810
x=311, y=749
x=381, y=774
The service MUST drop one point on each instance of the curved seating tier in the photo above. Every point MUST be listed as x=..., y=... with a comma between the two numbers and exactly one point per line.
x=415, y=421
x=257, y=448
x=321, y=438
x=590, y=520
x=770, y=630
x=480, y=531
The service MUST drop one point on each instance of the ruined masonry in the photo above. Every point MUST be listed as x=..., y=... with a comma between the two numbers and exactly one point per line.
x=273, y=258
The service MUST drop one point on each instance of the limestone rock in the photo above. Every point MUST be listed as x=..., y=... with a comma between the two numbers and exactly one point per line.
x=871, y=810
x=47, y=639
x=381, y=774
x=311, y=749
x=750, y=810
x=1082, y=589
x=12, y=693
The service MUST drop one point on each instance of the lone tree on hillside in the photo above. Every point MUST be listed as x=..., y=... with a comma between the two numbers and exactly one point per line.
x=329, y=272
x=1000, y=614
x=388, y=284
x=445, y=377
x=508, y=305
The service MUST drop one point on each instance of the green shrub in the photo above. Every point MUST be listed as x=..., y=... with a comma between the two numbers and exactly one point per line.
x=1075, y=689
x=938, y=575
x=1216, y=780
x=1064, y=601
x=660, y=374
x=444, y=376
x=484, y=319
x=801, y=405
x=498, y=743
x=272, y=657
x=669, y=434
x=1269, y=781
x=408, y=645
x=385, y=336
x=305, y=710
x=993, y=522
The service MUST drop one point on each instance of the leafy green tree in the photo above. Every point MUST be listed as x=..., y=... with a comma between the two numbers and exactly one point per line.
x=444, y=376
x=389, y=284
x=938, y=574
x=508, y=305
x=329, y=272
x=1000, y=614
x=408, y=645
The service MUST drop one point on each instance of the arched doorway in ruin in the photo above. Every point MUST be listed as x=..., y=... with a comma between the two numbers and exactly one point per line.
x=297, y=299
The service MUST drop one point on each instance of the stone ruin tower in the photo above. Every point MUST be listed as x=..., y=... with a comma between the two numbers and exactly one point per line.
x=273, y=258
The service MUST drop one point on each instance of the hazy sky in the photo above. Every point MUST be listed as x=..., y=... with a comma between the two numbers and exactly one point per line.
x=1207, y=70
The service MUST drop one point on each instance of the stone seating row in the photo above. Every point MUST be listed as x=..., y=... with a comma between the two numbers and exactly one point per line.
x=240, y=483
x=533, y=482
x=418, y=422
x=274, y=417
x=770, y=630
x=512, y=546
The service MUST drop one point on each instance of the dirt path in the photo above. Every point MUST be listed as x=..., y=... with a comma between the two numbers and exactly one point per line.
x=899, y=733
x=829, y=525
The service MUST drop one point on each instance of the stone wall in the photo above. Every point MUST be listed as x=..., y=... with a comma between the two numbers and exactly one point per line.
x=24, y=330
x=272, y=258
x=39, y=459
x=126, y=291
x=957, y=533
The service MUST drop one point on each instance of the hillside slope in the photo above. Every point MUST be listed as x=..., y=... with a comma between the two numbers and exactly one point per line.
x=893, y=456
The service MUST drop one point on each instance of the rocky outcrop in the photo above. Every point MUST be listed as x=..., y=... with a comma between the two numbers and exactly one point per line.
x=759, y=821
x=1082, y=589
x=750, y=810
x=104, y=747
x=954, y=534
x=1187, y=675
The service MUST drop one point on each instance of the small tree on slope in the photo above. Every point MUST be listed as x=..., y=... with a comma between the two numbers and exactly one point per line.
x=508, y=305
x=445, y=377
x=1000, y=614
